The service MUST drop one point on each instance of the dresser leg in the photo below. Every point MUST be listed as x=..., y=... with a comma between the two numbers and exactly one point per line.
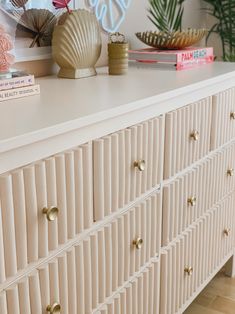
x=230, y=267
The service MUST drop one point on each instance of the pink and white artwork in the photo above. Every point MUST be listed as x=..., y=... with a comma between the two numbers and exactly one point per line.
x=6, y=45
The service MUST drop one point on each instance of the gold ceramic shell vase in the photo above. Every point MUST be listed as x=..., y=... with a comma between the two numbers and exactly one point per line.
x=76, y=44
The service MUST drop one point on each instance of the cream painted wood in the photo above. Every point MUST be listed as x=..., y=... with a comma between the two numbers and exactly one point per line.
x=117, y=180
x=25, y=233
x=189, y=196
x=105, y=256
x=56, y=121
x=202, y=247
x=135, y=297
x=187, y=136
x=223, y=115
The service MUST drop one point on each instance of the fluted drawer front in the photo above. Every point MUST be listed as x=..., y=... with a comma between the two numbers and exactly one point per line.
x=223, y=118
x=126, y=165
x=42, y=206
x=189, y=196
x=187, y=136
x=82, y=278
x=189, y=260
x=54, y=286
x=140, y=296
x=120, y=248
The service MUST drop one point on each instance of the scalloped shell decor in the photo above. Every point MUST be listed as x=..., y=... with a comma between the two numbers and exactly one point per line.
x=76, y=44
x=174, y=40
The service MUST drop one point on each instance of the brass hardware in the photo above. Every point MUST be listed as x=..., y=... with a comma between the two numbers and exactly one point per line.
x=138, y=243
x=194, y=135
x=227, y=231
x=192, y=200
x=140, y=164
x=54, y=308
x=230, y=172
x=51, y=212
x=232, y=115
x=188, y=271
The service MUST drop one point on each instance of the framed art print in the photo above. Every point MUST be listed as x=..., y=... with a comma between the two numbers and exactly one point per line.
x=31, y=23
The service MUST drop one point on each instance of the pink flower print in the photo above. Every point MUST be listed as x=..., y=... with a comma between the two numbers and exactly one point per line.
x=6, y=59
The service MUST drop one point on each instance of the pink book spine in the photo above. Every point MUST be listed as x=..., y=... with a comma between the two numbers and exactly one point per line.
x=19, y=92
x=192, y=63
x=195, y=56
x=17, y=82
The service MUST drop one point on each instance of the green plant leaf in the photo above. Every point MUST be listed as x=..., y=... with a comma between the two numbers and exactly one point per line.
x=166, y=15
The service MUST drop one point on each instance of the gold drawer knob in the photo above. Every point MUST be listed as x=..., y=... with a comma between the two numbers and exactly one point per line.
x=188, y=271
x=192, y=200
x=232, y=115
x=51, y=213
x=230, y=172
x=54, y=308
x=138, y=243
x=140, y=164
x=227, y=231
x=194, y=135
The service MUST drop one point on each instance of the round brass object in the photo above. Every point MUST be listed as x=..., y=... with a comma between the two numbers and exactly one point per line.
x=194, y=135
x=232, y=115
x=172, y=40
x=230, y=172
x=51, y=213
x=188, y=270
x=192, y=200
x=227, y=231
x=54, y=308
x=140, y=164
x=138, y=243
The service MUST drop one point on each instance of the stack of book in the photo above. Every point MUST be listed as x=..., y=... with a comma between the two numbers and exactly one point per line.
x=179, y=59
x=17, y=84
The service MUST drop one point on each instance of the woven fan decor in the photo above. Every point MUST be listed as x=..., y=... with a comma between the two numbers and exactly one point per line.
x=172, y=40
x=37, y=24
x=32, y=23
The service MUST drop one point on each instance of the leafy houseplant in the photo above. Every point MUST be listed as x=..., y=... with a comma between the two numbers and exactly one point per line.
x=224, y=12
x=166, y=15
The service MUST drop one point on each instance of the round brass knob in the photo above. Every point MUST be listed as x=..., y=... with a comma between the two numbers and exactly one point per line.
x=51, y=212
x=54, y=308
x=138, y=243
x=194, y=135
x=227, y=231
x=140, y=164
x=188, y=270
x=230, y=172
x=192, y=200
x=232, y=115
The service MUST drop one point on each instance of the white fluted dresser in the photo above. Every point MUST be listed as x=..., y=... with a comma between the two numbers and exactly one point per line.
x=117, y=194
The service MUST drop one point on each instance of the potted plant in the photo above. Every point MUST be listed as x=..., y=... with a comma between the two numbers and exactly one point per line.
x=224, y=13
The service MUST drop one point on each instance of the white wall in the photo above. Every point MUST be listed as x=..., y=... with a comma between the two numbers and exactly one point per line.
x=136, y=20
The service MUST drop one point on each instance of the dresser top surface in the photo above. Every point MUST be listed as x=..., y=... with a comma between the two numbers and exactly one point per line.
x=65, y=105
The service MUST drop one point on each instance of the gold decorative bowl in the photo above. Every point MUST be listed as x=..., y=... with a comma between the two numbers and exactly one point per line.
x=172, y=40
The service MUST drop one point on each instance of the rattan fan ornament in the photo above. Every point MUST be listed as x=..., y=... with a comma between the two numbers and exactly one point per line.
x=19, y=3
x=37, y=24
x=167, y=16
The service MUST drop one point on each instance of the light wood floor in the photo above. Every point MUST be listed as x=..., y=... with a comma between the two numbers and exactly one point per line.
x=217, y=298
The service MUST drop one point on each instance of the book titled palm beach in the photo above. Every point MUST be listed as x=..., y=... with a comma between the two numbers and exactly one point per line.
x=181, y=59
